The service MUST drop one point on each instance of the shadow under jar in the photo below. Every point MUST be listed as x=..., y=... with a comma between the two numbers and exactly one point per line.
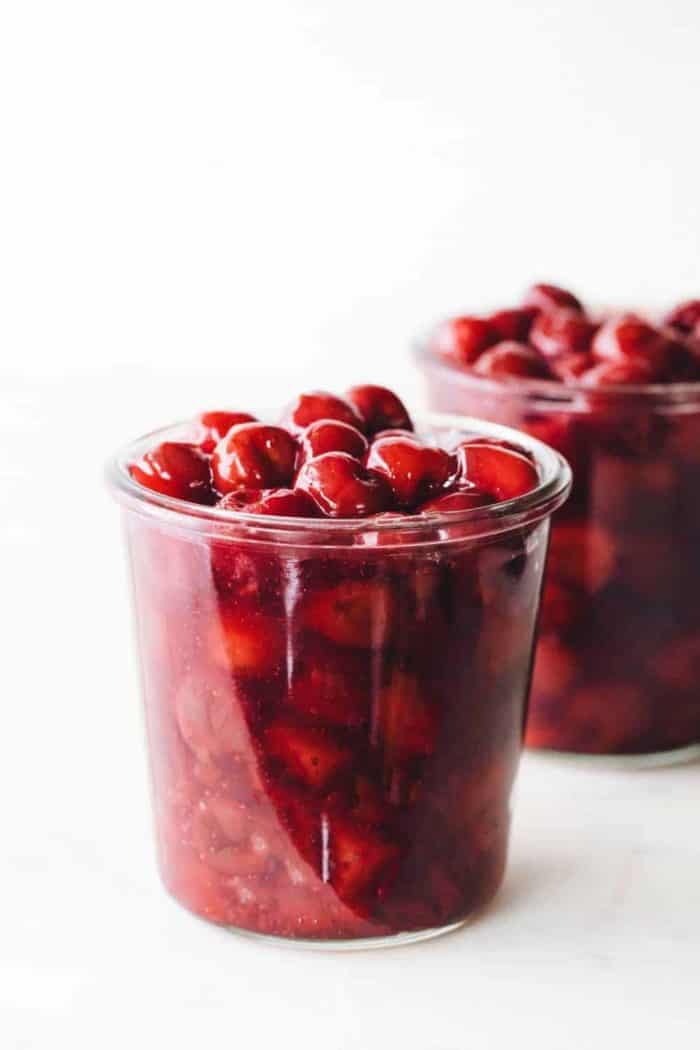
x=618, y=658
x=335, y=708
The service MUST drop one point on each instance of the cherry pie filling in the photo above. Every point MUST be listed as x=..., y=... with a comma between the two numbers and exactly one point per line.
x=334, y=725
x=618, y=661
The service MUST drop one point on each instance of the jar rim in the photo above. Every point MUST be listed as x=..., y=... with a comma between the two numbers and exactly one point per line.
x=571, y=396
x=553, y=469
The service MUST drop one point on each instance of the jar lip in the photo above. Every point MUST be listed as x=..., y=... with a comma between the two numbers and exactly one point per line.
x=552, y=390
x=554, y=471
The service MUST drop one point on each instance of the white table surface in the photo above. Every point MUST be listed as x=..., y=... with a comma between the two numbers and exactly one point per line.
x=593, y=942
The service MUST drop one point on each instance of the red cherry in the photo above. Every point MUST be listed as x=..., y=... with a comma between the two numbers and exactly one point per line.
x=464, y=338
x=497, y=471
x=549, y=297
x=211, y=427
x=380, y=408
x=288, y=503
x=328, y=435
x=354, y=613
x=630, y=340
x=309, y=755
x=513, y=324
x=581, y=555
x=341, y=487
x=318, y=404
x=465, y=498
x=562, y=331
x=571, y=367
x=684, y=317
x=414, y=472
x=395, y=432
x=614, y=373
x=254, y=455
x=175, y=469
x=512, y=359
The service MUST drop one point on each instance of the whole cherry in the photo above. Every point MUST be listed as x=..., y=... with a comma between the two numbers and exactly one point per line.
x=513, y=324
x=467, y=497
x=618, y=373
x=175, y=469
x=211, y=427
x=465, y=338
x=562, y=331
x=254, y=455
x=341, y=487
x=508, y=359
x=684, y=317
x=380, y=408
x=549, y=297
x=630, y=340
x=330, y=435
x=498, y=471
x=414, y=472
x=289, y=503
x=319, y=404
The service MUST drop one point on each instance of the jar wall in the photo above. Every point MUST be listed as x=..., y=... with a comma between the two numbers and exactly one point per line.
x=618, y=659
x=334, y=732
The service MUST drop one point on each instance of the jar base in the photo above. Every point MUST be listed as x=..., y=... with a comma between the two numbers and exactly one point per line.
x=655, y=760
x=357, y=944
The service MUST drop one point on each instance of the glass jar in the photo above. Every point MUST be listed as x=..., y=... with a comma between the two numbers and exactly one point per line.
x=618, y=659
x=335, y=708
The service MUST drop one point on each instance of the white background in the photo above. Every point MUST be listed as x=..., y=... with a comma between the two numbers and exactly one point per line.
x=219, y=204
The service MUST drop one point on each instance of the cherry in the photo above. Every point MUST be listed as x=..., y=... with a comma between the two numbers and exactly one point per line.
x=571, y=367
x=630, y=340
x=395, y=432
x=211, y=427
x=549, y=297
x=513, y=324
x=512, y=359
x=254, y=455
x=499, y=472
x=464, y=498
x=175, y=469
x=329, y=435
x=353, y=613
x=341, y=487
x=289, y=503
x=464, y=338
x=380, y=408
x=582, y=554
x=414, y=472
x=318, y=404
x=562, y=331
x=618, y=373
x=684, y=317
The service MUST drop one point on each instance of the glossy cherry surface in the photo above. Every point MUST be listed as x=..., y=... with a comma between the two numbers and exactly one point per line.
x=340, y=486
x=254, y=455
x=329, y=435
x=211, y=427
x=175, y=469
x=414, y=472
x=319, y=404
x=380, y=408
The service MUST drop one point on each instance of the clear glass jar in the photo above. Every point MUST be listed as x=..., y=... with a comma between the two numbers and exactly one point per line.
x=335, y=708
x=618, y=659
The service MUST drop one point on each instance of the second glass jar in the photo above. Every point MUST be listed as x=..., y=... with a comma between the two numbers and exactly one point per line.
x=617, y=669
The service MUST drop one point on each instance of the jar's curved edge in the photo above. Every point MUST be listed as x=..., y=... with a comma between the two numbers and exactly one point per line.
x=554, y=487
